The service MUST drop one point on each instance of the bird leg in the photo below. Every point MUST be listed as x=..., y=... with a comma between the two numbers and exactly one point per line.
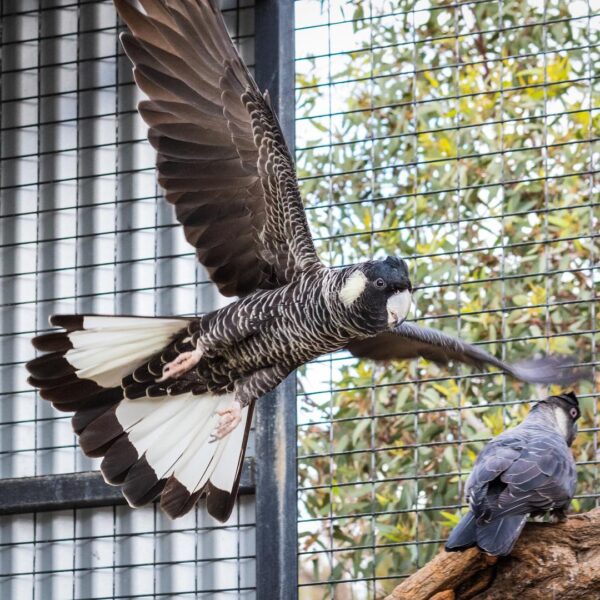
x=230, y=419
x=558, y=515
x=183, y=363
x=208, y=338
x=247, y=390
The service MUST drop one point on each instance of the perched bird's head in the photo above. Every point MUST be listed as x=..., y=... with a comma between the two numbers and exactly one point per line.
x=564, y=408
x=382, y=287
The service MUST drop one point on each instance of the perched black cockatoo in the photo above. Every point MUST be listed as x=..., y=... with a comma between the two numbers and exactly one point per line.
x=168, y=401
x=527, y=470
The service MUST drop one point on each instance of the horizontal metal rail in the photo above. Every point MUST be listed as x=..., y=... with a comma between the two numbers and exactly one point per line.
x=75, y=490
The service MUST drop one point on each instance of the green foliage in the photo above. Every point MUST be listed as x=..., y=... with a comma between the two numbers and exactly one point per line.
x=475, y=166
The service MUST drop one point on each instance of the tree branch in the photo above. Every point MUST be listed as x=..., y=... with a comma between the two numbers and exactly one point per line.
x=549, y=561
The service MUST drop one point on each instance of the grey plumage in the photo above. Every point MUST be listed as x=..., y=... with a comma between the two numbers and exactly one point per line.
x=168, y=402
x=525, y=470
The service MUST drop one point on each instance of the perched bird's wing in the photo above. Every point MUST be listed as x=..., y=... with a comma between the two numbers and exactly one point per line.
x=409, y=340
x=496, y=458
x=222, y=158
x=513, y=476
x=542, y=478
x=478, y=527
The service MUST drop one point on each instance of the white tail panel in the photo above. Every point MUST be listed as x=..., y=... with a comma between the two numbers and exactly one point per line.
x=110, y=348
x=174, y=433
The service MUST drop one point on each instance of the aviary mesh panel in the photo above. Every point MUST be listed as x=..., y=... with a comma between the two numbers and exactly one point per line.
x=84, y=228
x=464, y=137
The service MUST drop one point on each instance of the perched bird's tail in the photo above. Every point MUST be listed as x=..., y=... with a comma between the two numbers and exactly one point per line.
x=464, y=535
x=496, y=538
x=155, y=444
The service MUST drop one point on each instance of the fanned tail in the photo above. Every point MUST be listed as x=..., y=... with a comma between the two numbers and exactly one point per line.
x=153, y=444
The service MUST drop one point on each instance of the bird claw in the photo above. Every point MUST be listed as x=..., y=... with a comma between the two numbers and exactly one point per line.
x=558, y=516
x=183, y=363
x=231, y=417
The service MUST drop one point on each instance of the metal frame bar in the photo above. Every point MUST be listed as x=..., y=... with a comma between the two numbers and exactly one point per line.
x=76, y=490
x=276, y=511
x=273, y=477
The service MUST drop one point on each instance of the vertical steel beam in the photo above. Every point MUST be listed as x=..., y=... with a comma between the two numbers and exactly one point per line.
x=276, y=512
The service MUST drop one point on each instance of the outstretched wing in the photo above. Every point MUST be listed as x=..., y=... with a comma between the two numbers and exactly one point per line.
x=222, y=158
x=409, y=340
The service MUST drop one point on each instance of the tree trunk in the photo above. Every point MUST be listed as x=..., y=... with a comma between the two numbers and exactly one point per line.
x=548, y=562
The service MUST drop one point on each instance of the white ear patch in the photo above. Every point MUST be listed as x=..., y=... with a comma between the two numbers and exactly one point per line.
x=562, y=421
x=353, y=288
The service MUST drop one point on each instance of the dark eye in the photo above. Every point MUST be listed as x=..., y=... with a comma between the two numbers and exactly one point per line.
x=574, y=413
x=380, y=283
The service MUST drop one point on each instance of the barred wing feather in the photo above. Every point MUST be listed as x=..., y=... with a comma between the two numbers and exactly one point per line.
x=221, y=154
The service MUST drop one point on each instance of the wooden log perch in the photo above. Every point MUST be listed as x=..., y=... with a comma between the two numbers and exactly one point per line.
x=548, y=562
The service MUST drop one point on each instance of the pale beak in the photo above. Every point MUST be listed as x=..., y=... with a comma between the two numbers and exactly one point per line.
x=398, y=307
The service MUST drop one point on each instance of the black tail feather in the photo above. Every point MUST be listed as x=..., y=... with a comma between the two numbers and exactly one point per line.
x=498, y=537
x=52, y=342
x=68, y=322
x=464, y=535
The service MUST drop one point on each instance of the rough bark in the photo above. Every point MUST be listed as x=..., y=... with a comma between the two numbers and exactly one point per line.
x=549, y=561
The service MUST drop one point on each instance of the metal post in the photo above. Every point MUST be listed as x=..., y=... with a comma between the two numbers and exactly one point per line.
x=276, y=512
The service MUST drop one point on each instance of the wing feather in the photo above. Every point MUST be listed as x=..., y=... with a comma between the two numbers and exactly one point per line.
x=410, y=340
x=222, y=157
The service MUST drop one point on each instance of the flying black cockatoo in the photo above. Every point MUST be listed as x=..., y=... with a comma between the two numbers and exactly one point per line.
x=168, y=401
x=527, y=470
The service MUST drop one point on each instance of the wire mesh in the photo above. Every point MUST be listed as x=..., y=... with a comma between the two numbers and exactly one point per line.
x=106, y=553
x=84, y=229
x=463, y=136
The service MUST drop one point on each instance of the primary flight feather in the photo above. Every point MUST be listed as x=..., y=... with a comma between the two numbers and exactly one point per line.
x=168, y=401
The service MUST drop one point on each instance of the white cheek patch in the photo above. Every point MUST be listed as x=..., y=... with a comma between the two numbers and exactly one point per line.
x=398, y=307
x=562, y=420
x=353, y=288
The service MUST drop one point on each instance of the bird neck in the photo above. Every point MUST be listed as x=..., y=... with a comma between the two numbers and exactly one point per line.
x=544, y=416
